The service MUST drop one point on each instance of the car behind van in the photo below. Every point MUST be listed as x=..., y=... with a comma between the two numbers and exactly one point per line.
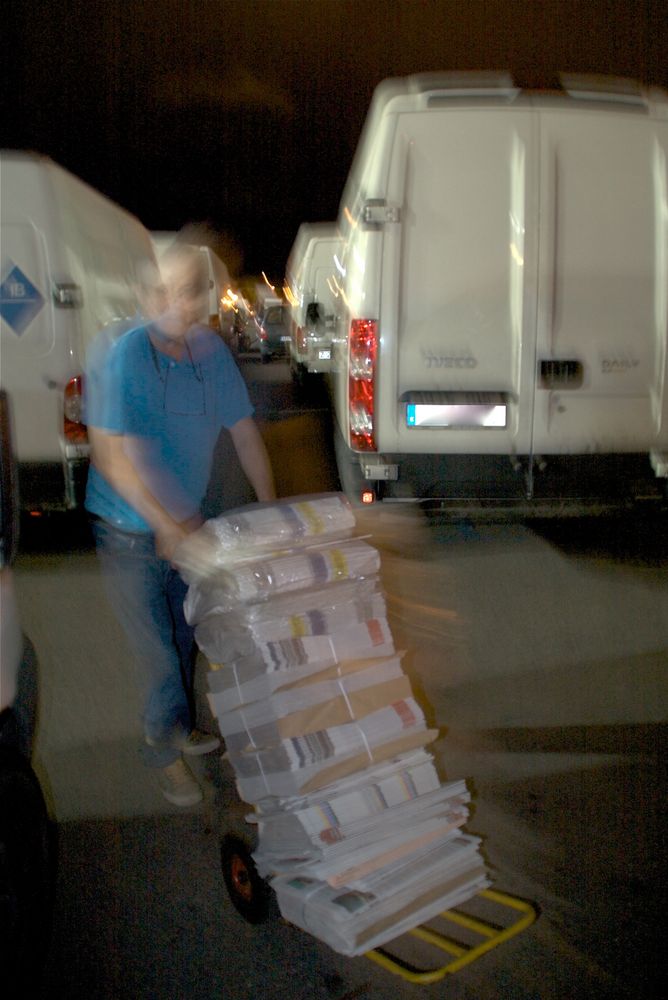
x=69, y=267
x=270, y=330
x=310, y=290
x=501, y=330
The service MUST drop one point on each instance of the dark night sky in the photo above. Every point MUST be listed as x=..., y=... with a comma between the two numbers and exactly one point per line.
x=246, y=113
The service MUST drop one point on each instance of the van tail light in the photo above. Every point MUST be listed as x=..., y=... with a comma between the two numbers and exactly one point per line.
x=361, y=383
x=73, y=425
x=301, y=339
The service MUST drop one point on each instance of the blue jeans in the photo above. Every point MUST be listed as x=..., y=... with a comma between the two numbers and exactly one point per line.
x=147, y=595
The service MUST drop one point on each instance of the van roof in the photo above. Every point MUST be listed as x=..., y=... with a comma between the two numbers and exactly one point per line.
x=306, y=234
x=425, y=91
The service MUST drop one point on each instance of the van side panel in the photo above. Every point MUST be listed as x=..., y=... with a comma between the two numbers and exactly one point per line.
x=81, y=253
x=37, y=350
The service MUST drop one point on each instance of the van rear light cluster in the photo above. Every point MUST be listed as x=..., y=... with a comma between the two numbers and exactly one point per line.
x=302, y=339
x=361, y=383
x=73, y=425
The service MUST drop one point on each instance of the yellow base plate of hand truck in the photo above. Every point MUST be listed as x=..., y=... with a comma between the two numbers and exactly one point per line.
x=465, y=936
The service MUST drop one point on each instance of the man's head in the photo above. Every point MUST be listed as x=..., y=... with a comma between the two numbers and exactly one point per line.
x=185, y=280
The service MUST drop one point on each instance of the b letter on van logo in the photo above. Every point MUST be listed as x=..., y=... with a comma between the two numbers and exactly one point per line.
x=433, y=360
x=19, y=299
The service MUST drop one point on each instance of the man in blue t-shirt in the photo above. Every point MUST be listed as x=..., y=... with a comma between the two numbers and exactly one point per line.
x=157, y=399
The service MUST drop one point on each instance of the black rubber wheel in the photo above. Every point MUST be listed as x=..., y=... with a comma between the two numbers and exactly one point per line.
x=249, y=893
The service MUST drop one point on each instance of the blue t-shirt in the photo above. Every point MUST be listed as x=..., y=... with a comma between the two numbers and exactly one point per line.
x=170, y=414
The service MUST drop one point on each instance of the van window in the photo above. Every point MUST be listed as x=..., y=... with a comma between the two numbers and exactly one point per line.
x=274, y=315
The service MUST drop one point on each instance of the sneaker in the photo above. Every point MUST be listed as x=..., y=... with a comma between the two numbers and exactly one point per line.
x=197, y=743
x=179, y=786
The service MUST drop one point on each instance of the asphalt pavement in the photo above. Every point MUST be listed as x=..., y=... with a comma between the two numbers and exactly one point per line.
x=539, y=650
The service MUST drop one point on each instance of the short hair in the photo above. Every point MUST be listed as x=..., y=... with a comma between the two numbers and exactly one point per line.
x=184, y=253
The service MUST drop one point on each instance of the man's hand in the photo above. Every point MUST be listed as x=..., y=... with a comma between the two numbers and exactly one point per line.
x=168, y=539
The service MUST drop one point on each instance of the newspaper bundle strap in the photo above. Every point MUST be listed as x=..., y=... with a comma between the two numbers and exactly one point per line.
x=358, y=836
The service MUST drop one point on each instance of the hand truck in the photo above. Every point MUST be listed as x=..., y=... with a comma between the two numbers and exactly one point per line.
x=465, y=932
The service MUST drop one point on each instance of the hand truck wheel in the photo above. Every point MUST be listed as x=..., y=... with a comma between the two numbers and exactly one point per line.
x=249, y=893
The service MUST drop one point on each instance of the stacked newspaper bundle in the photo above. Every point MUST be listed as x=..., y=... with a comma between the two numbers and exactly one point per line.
x=360, y=839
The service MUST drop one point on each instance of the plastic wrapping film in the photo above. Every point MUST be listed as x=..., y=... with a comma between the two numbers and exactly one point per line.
x=249, y=582
x=223, y=635
x=243, y=534
x=436, y=876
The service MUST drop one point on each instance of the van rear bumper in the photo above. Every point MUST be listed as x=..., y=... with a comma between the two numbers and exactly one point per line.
x=52, y=485
x=555, y=483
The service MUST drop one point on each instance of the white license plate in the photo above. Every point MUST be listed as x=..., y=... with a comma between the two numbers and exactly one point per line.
x=456, y=415
x=324, y=355
x=288, y=337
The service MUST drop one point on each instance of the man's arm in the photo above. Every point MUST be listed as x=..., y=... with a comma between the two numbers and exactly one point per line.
x=110, y=459
x=253, y=457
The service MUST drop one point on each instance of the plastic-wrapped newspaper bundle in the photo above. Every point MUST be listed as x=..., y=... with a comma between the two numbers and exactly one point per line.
x=265, y=527
x=370, y=911
x=360, y=838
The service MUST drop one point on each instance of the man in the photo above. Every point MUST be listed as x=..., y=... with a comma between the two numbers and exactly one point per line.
x=157, y=406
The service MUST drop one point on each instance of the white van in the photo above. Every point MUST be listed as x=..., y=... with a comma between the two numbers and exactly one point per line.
x=69, y=260
x=310, y=292
x=503, y=295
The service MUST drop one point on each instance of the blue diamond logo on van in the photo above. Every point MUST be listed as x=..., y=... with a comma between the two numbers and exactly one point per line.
x=20, y=301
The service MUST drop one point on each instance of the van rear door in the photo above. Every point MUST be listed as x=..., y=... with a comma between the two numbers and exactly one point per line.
x=457, y=322
x=603, y=281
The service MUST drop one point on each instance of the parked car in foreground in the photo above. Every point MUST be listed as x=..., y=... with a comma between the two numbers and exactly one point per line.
x=26, y=847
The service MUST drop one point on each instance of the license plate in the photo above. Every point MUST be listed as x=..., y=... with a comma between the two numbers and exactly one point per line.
x=456, y=415
x=288, y=337
x=324, y=355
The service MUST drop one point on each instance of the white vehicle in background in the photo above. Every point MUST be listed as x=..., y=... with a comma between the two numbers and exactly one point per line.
x=310, y=290
x=220, y=316
x=503, y=309
x=68, y=267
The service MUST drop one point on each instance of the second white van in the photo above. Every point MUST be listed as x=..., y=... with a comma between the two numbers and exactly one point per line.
x=310, y=292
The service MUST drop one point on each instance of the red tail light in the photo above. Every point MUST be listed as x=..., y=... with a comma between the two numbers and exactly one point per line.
x=301, y=339
x=73, y=426
x=361, y=383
